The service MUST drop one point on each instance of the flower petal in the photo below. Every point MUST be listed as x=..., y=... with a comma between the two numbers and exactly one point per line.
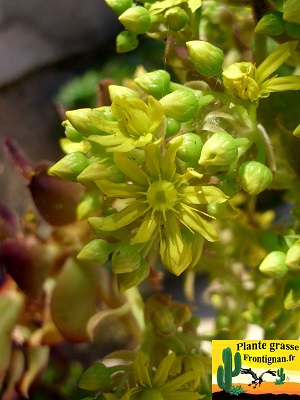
x=140, y=369
x=182, y=394
x=195, y=222
x=202, y=194
x=180, y=381
x=147, y=228
x=152, y=158
x=274, y=61
x=119, y=219
x=130, y=168
x=119, y=190
x=168, y=167
x=163, y=370
x=107, y=140
x=155, y=112
x=282, y=83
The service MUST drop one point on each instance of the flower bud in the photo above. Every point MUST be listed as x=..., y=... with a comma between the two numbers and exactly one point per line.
x=156, y=83
x=99, y=170
x=126, y=258
x=173, y=127
x=176, y=18
x=181, y=105
x=81, y=122
x=254, y=177
x=293, y=30
x=292, y=298
x=163, y=321
x=291, y=11
x=221, y=210
x=71, y=133
x=136, y=19
x=130, y=279
x=126, y=41
x=119, y=6
x=96, y=251
x=219, y=149
x=115, y=90
x=207, y=58
x=70, y=166
x=274, y=264
x=190, y=149
x=293, y=256
x=271, y=24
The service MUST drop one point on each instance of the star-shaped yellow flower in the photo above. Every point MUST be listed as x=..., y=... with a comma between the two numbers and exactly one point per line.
x=159, y=203
x=249, y=82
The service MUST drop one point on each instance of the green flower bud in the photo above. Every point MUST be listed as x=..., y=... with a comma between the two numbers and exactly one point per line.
x=126, y=258
x=207, y=59
x=271, y=23
x=221, y=210
x=173, y=127
x=291, y=11
x=219, y=149
x=156, y=83
x=274, y=264
x=96, y=377
x=163, y=321
x=96, y=251
x=254, y=177
x=71, y=133
x=115, y=90
x=119, y=6
x=89, y=204
x=136, y=19
x=190, y=149
x=293, y=256
x=99, y=170
x=292, y=299
x=176, y=18
x=126, y=41
x=130, y=279
x=293, y=30
x=81, y=122
x=181, y=105
x=70, y=166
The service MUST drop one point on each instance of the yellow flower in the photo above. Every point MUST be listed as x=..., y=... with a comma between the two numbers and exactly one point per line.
x=160, y=202
x=157, y=385
x=249, y=82
x=133, y=123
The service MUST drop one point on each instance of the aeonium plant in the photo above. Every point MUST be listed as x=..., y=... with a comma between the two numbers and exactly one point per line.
x=176, y=168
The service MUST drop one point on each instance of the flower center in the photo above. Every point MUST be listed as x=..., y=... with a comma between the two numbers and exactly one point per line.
x=162, y=195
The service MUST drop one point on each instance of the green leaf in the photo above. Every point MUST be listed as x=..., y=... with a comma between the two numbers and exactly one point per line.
x=96, y=377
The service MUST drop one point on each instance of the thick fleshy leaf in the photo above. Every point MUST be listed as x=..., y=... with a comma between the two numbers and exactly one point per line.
x=130, y=168
x=96, y=377
x=131, y=279
x=11, y=306
x=202, y=194
x=119, y=190
x=119, y=219
x=73, y=301
x=37, y=360
x=274, y=61
x=18, y=158
x=147, y=228
x=195, y=222
x=9, y=222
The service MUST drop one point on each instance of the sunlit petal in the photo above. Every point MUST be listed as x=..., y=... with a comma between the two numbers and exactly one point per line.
x=141, y=371
x=198, y=224
x=281, y=84
x=130, y=168
x=120, y=190
x=163, y=369
x=146, y=230
x=168, y=167
x=202, y=194
x=119, y=219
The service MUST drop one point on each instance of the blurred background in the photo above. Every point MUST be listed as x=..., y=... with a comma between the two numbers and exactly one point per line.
x=43, y=45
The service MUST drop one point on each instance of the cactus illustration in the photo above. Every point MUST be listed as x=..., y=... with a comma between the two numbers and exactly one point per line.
x=281, y=375
x=225, y=374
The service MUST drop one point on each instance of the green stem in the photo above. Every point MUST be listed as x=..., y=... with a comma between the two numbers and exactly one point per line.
x=136, y=302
